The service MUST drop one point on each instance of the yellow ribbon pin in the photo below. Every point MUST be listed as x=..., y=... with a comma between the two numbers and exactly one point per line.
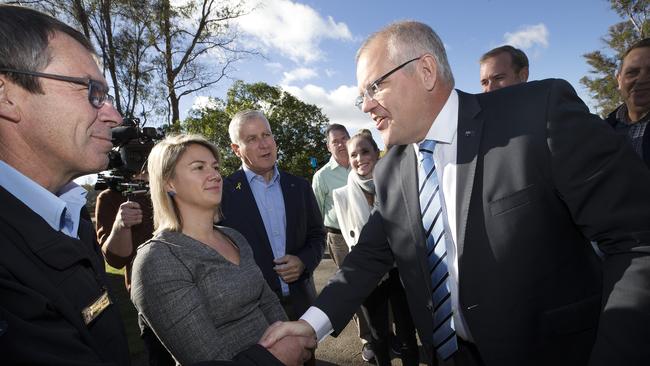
x=238, y=186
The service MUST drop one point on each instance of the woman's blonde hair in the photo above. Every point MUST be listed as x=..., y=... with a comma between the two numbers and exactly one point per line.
x=162, y=167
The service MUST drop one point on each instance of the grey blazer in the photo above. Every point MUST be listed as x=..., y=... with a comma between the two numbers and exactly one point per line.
x=201, y=306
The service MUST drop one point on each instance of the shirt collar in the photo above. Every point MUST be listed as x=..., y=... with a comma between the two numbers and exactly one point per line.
x=251, y=175
x=333, y=164
x=60, y=211
x=623, y=116
x=444, y=127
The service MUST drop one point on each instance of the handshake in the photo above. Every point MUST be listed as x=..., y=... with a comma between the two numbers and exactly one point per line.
x=293, y=343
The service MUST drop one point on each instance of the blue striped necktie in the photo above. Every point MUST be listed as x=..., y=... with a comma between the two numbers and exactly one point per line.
x=444, y=335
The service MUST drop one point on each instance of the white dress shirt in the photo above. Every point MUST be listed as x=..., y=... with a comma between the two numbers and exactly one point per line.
x=443, y=130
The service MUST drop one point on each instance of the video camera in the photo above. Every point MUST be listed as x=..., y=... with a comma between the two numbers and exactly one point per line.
x=131, y=147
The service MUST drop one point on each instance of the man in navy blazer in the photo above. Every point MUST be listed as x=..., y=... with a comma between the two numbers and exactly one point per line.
x=275, y=211
x=521, y=179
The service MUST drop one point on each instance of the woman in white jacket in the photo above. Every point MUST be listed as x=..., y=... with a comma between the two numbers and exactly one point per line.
x=353, y=204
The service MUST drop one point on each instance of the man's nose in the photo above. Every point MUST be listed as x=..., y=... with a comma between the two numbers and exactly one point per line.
x=109, y=114
x=368, y=104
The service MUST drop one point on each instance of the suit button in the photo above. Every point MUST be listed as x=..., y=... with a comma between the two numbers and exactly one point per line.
x=429, y=306
x=352, y=233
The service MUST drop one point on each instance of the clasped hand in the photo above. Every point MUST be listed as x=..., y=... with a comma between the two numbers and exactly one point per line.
x=289, y=268
x=292, y=343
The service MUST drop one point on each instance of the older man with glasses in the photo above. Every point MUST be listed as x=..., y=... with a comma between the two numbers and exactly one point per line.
x=55, y=125
x=488, y=204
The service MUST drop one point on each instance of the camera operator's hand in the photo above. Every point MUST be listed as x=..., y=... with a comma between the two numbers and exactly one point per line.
x=128, y=215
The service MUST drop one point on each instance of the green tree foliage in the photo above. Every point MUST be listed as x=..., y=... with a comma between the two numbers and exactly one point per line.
x=602, y=79
x=297, y=126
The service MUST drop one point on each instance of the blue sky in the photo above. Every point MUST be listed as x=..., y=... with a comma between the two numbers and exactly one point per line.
x=309, y=46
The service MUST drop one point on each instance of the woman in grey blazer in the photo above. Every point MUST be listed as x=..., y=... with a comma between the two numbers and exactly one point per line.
x=196, y=284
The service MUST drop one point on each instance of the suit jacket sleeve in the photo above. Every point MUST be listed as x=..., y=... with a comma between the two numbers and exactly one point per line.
x=311, y=252
x=255, y=355
x=358, y=275
x=607, y=190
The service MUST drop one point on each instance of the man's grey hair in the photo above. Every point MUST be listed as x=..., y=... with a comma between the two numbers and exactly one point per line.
x=406, y=40
x=239, y=119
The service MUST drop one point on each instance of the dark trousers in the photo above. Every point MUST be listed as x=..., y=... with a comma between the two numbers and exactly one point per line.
x=375, y=309
x=404, y=327
x=467, y=355
x=156, y=353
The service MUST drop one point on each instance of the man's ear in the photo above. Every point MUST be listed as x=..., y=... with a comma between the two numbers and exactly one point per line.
x=8, y=109
x=235, y=149
x=523, y=74
x=617, y=75
x=428, y=71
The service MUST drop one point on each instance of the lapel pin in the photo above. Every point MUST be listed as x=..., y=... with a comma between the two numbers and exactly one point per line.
x=238, y=186
x=469, y=133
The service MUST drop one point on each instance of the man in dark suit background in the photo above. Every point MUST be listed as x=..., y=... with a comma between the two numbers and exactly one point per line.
x=502, y=66
x=631, y=118
x=488, y=203
x=275, y=211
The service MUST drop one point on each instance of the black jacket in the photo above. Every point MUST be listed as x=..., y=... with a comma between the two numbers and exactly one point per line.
x=46, y=279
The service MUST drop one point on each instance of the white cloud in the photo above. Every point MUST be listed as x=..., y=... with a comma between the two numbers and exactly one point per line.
x=528, y=36
x=295, y=30
x=337, y=104
x=301, y=73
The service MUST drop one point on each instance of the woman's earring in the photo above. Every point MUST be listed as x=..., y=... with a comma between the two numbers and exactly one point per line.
x=171, y=194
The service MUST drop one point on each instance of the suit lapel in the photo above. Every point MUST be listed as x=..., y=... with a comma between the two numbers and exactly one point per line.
x=245, y=197
x=410, y=196
x=470, y=129
x=288, y=193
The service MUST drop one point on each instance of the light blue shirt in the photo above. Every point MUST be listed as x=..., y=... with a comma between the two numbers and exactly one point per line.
x=60, y=211
x=270, y=203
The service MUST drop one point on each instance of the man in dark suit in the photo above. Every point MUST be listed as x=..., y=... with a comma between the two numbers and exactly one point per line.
x=276, y=212
x=631, y=118
x=488, y=203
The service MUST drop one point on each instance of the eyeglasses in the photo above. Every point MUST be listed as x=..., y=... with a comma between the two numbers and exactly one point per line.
x=373, y=88
x=97, y=91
